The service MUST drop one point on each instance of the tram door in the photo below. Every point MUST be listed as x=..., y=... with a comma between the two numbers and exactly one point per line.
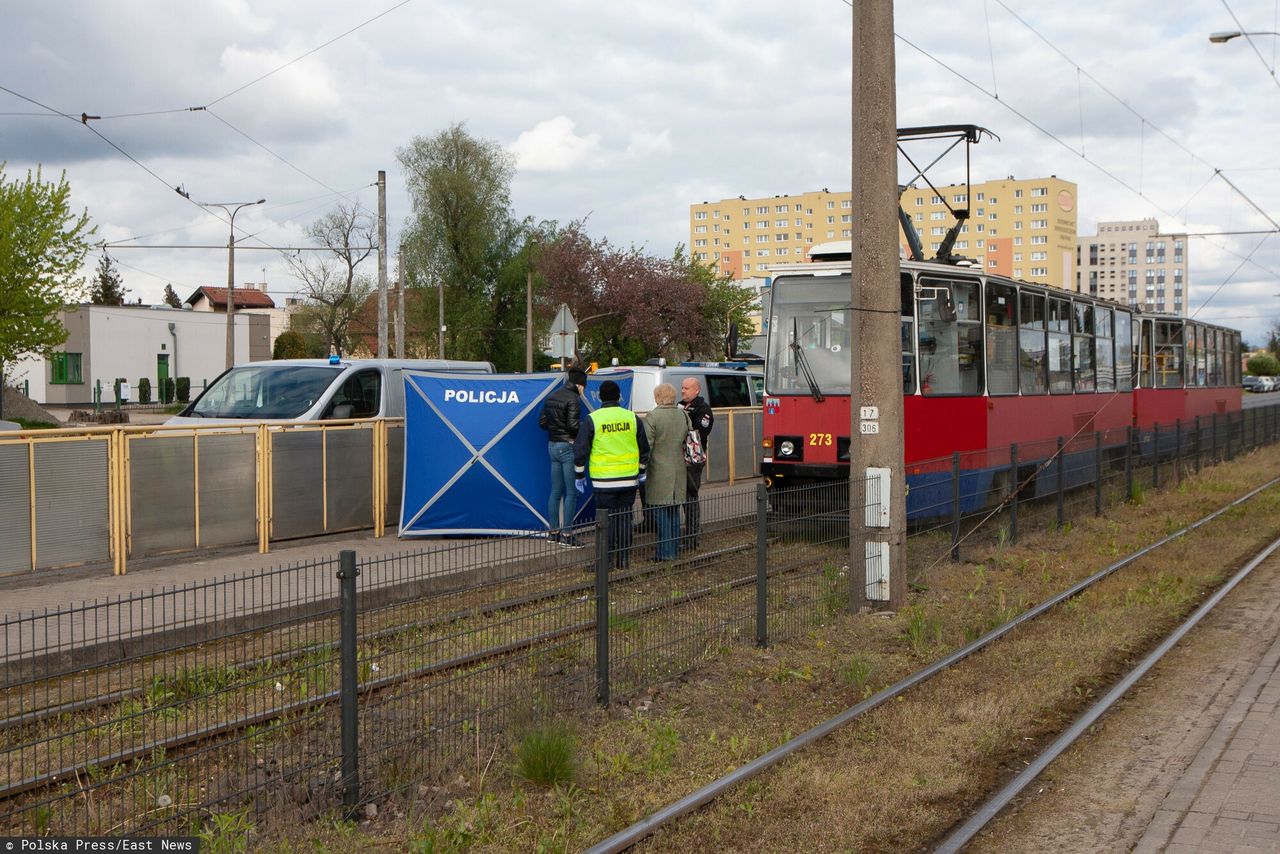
x=1143, y=361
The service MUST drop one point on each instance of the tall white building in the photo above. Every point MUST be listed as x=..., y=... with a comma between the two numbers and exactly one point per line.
x=1132, y=263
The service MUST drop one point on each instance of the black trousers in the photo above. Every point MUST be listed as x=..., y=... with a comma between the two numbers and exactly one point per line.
x=618, y=505
x=692, y=512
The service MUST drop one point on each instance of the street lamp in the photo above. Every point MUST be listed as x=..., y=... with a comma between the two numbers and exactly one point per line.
x=231, y=209
x=1228, y=35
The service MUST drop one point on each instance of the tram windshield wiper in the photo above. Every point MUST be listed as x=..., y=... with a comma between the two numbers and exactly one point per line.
x=802, y=362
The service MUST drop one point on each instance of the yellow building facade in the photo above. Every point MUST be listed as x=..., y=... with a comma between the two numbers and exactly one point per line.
x=1024, y=228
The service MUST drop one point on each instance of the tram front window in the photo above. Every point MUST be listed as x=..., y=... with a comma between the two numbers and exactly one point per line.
x=813, y=312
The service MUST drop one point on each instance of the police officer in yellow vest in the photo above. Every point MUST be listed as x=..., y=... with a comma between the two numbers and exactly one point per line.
x=612, y=444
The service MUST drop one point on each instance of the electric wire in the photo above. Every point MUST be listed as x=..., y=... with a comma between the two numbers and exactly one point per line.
x=1239, y=26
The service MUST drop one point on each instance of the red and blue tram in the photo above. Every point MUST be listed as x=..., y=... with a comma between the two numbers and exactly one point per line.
x=987, y=362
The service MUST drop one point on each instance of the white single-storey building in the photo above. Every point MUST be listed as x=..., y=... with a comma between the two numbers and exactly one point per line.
x=106, y=342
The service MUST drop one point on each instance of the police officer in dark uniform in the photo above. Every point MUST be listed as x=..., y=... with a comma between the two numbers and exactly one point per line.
x=701, y=417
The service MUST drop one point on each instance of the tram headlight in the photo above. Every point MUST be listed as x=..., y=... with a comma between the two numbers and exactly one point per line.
x=786, y=448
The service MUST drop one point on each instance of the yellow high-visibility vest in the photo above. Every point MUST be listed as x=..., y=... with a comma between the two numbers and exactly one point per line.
x=615, y=452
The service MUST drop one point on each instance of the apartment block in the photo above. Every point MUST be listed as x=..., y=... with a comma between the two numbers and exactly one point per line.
x=1131, y=262
x=1024, y=228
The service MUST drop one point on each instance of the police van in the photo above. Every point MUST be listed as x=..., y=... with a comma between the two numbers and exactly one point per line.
x=724, y=384
x=313, y=389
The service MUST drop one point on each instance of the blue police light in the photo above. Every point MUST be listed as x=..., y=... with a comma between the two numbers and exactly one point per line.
x=333, y=359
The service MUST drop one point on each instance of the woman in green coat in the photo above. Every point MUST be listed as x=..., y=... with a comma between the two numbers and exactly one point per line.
x=664, y=489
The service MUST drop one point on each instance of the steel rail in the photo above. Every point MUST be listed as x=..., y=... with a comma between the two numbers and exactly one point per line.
x=38, y=715
x=190, y=737
x=640, y=830
x=958, y=838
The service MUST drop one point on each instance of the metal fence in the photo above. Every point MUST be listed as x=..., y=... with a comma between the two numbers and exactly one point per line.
x=286, y=694
x=106, y=495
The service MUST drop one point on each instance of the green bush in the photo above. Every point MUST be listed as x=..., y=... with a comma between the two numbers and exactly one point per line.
x=144, y=390
x=184, y=389
x=168, y=390
x=1264, y=365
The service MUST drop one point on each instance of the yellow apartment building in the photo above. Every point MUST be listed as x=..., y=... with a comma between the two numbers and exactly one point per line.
x=1024, y=228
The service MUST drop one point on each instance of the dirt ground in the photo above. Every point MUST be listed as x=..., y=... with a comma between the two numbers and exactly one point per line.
x=1101, y=795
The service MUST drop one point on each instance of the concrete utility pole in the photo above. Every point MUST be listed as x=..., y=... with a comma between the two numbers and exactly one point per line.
x=400, y=303
x=877, y=535
x=230, y=209
x=528, y=313
x=382, y=264
x=440, y=294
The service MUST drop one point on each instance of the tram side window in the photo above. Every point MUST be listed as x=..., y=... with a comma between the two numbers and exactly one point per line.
x=1032, y=365
x=1215, y=374
x=1144, y=363
x=908, y=334
x=1104, y=354
x=1002, y=339
x=950, y=338
x=1059, y=346
x=1124, y=352
x=1234, y=360
x=1200, y=367
x=1082, y=338
x=1168, y=354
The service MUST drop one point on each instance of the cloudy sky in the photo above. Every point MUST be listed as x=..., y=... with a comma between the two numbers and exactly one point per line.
x=624, y=114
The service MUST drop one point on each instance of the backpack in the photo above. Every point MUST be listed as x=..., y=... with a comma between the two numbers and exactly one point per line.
x=694, y=455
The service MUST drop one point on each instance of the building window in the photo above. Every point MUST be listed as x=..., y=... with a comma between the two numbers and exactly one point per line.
x=831, y=233
x=919, y=202
x=849, y=233
x=716, y=215
x=830, y=205
x=979, y=196
x=66, y=368
x=700, y=242
x=699, y=229
x=760, y=253
x=846, y=203
x=763, y=209
x=762, y=238
x=782, y=250
x=781, y=208
x=1017, y=241
x=1017, y=194
x=846, y=217
x=1039, y=223
x=779, y=223
x=959, y=199
x=1039, y=271
x=1039, y=191
x=700, y=215
x=1040, y=207
x=1039, y=239
x=782, y=236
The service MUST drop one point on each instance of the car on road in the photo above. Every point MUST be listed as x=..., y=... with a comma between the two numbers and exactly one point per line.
x=1251, y=383
x=10, y=425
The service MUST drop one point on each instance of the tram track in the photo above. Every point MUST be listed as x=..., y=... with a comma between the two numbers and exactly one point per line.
x=720, y=787
x=193, y=737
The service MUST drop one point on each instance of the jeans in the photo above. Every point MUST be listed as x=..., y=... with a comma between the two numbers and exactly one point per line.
x=618, y=504
x=561, y=454
x=667, y=517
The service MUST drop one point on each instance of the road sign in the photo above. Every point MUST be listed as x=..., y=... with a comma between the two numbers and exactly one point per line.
x=564, y=324
x=563, y=345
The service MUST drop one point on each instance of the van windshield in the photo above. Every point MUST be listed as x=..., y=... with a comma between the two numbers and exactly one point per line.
x=265, y=391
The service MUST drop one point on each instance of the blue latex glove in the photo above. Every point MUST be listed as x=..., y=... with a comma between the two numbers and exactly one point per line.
x=642, y=478
x=581, y=485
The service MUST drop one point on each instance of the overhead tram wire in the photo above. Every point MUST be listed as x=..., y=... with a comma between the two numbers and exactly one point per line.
x=1147, y=122
x=1060, y=141
x=1249, y=38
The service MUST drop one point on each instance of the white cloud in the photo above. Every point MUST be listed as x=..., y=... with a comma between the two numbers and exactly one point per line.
x=553, y=146
x=651, y=144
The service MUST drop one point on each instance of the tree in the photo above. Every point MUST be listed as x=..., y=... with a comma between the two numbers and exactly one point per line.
x=635, y=306
x=1264, y=365
x=331, y=286
x=171, y=297
x=462, y=236
x=42, y=247
x=292, y=344
x=107, y=287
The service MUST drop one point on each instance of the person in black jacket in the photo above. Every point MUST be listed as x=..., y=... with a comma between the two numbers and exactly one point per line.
x=560, y=417
x=701, y=417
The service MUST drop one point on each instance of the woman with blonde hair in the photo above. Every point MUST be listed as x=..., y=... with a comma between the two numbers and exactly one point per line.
x=666, y=428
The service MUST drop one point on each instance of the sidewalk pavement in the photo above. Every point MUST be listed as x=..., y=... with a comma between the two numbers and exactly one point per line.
x=1229, y=797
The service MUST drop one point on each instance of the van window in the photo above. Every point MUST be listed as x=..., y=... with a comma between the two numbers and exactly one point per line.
x=362, y=391
x=265, y=391
x=725, y=390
